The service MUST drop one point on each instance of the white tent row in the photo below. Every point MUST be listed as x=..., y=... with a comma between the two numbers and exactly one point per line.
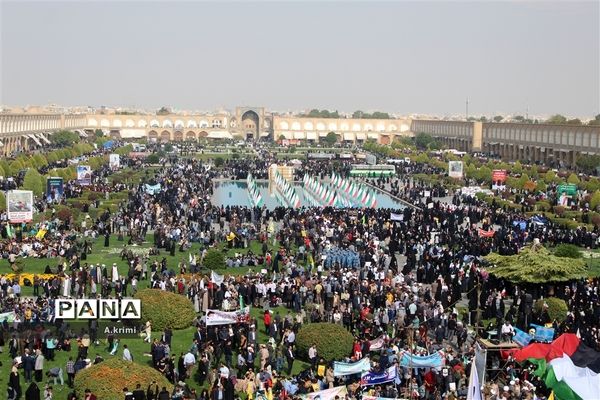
x=44, y=139
x=81, y=133
x=219, y=135
x=34, y=138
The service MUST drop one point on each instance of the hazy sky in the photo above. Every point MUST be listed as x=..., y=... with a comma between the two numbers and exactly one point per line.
x=401, y=57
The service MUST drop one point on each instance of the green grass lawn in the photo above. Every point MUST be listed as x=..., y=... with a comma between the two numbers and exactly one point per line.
x=182, y=339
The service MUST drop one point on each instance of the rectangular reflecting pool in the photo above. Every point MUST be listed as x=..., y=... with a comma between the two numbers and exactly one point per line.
x=235, y=193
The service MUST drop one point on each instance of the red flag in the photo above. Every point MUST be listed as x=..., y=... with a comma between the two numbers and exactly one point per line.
x=486, y=234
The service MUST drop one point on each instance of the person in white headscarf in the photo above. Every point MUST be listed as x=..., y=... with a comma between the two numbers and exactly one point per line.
x=115, y=273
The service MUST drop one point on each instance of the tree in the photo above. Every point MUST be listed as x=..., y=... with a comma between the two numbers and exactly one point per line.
x=219, y=161
x=530, y=186
x=15, y=167
x=557, y=308
x=550, y=176
x=64, y=138
x=357, y=114
x=573, y=179
x=519, y=118
x=214, y=259
x=556, y=119
x=332, y=340
x=498, y=118
x=33, y=182
x=567, y=250
x=2, y=201
x=588, y=162
x=422, y=140
x=574, y=121
x=517, y=167
x=98, y=133
x=595, y=121
x=541, y=185
x=330, y=139
x=380, y=115
x=163, y=111
x=40, y=160
x=153, y=159
x=535, y=264
x=595, y=200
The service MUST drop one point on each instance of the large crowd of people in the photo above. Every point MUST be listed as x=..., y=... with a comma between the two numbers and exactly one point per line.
x=413, y=283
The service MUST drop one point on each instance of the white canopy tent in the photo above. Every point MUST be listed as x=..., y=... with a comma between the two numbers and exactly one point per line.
x=219, y=135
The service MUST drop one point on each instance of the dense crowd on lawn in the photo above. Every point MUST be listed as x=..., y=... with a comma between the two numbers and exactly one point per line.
x=404, y=280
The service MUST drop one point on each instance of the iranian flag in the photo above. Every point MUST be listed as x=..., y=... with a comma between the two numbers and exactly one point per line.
x=333, y=178
x=364, y=196
x=330, y=198
x=566, y=366
x=373, y=200
x=348, y=187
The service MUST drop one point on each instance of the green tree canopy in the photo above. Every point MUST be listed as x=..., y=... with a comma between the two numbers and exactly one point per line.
x=573, y=178
x=595, y=121
x=64, y=138
x=330, y=139
x=214, y=259
x=33, y=182
x=498, y=118
x=535, y=264
x=316, y=113
x=550, y=176
x=423, y=141
x=595, y=200
x=557, y=119
x=15, y=167
x=588, y=162
x=163, y=111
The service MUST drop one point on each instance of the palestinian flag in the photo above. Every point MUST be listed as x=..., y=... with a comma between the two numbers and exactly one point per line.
x=567, y=366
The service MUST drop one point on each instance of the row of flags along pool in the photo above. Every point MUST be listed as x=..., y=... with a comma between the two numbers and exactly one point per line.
x=253, y=193
x=310, y=199
x=287, y=190
x=321, y=192
x=359, y=192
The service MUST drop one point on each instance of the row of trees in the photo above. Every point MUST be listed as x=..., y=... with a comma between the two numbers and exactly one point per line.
x=375, y=115
x=316, y=113
x=39, y=161
x=556, y=119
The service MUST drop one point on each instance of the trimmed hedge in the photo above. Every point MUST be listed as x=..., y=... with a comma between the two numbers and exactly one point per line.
x=557, y=308
x=568, y=250
x=107, y=379
x=166, y=309
x=333, y=341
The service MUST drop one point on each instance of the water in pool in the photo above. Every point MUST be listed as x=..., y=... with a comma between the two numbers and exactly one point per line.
x=235, y=193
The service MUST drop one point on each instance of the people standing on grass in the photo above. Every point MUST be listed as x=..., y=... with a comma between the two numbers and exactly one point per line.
x=399, y=281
